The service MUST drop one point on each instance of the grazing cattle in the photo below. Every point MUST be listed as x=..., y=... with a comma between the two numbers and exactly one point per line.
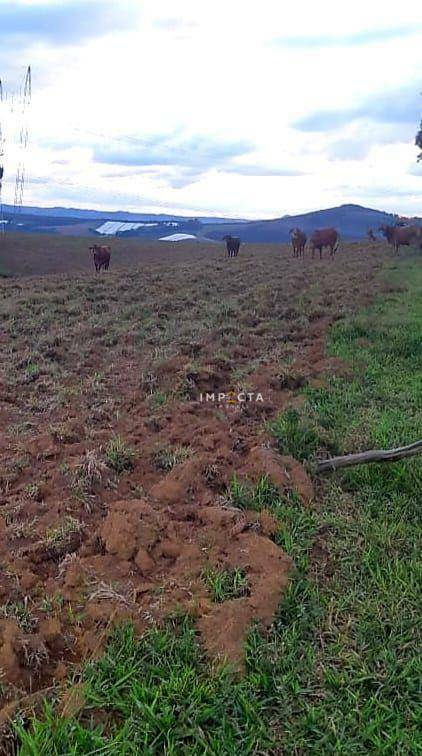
x=324, y=237
x=232, y=244
x=101, y=256
x=298, y=241
x=402, y=236
x=370, y=234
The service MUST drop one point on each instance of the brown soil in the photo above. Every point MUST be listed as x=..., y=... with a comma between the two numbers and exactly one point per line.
x=128, y=353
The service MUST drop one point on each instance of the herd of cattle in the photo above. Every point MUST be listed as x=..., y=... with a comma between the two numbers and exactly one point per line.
x=398, y=236
x=320, y=238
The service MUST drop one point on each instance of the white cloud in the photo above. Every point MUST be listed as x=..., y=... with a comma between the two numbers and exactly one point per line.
x=209, y=77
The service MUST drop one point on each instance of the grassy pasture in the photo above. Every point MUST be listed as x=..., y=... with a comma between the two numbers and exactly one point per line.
x=44, y=254
x=339, y=669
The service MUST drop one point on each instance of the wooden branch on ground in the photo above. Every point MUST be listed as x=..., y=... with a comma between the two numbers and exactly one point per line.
x=364, y=458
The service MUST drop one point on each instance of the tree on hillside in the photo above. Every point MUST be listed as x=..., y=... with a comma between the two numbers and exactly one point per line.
x=418, y=141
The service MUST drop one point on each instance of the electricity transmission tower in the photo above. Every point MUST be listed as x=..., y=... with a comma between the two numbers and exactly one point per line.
x=14, y=111
x=25, y=101
x=2, y=224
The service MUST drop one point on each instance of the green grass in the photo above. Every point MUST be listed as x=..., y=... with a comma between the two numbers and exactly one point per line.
x=339, y=672
x=60, y=535
x=226, y=584
x=119, y=456
x=264, y=495
x=21, y=612
x=168, y=457
x=295, y=435
x=160, y=697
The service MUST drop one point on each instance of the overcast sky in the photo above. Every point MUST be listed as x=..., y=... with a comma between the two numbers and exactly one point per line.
x=229, y=107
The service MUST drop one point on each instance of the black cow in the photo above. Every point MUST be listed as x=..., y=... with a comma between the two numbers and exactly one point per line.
x=232, y=244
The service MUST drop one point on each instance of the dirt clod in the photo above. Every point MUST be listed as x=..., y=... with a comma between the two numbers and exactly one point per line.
x=128, y=525
x=144, y=562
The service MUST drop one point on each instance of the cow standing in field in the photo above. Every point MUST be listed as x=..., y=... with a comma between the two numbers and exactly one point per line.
x=232, y=244
x=298, y=241
x=370, y=234
x=402, y=236
x=101, y=256
x=324, y=237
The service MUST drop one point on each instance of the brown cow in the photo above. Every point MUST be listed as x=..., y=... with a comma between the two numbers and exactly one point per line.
x=101, y=256
x=402, y=236
x=298, y=241
x=324, y=237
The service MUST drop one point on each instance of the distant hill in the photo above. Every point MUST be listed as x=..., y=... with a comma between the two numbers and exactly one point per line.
x=77, y=214
x=352, y=222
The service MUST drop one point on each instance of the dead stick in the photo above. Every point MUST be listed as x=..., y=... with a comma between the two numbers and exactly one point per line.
x=364, y=458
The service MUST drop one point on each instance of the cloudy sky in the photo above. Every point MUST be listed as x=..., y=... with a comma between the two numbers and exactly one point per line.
x=236, y=108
